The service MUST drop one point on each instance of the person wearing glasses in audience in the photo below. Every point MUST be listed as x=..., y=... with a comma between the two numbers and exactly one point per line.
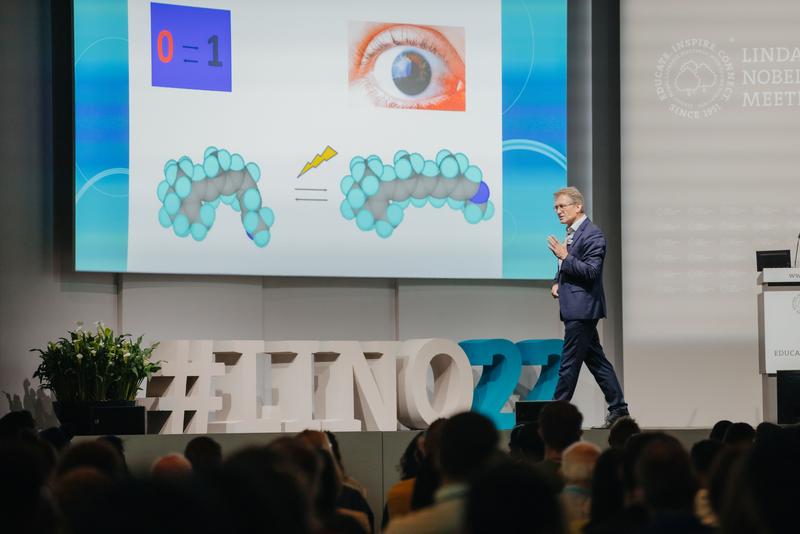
x=578, y=286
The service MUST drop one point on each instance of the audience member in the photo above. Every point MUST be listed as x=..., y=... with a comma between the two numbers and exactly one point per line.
x=79, y=493
x=720, y=477
x=525, y=443
x=703, y=454
x=204, y=454
x=428, y=477
x=719, y=429
x=608, y=492
x=119, y=446
x=172, y=466
x=344, y=499
x=512, y=499
x=468, y=442
x=398, y=498
x=762, y=492
x=577, y=469
x=56, y=436
x=739, y=434
x=24, y=474
x=665, y=474
x=560, y=426
x=621, y=430
x=347, y=480
x=100, y=455
x=13, y=424
x=745, y=482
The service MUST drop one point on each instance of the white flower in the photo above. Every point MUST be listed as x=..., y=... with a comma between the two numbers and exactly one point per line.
x=79, y=356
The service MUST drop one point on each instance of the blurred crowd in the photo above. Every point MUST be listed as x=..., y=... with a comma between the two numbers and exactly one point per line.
x=453, y=479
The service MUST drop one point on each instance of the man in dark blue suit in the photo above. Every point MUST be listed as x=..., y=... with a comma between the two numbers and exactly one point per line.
x=578, y=286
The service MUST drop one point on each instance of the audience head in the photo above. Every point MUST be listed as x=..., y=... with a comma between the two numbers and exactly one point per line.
x=560, y=425
x=739, y=434
x=721, y=475
x=608, y=488
x=703, y=454
x=633, y=449
x=412, y=457
x=577, y=463
x=14, y=423
x=526, y=443
x=512, y=498
x=621, y=430
x=204, y=454
x=171, y=466
x=98, y=454
x=719, y=429
x=468, y=441
x=433, y=435
x=56, y=437
x=119, y=446
x=337, y=454
x=664, y=471
x=24, y=473
x=303, y=457
x=79, y=494
x=767, y=432
x=261, y=488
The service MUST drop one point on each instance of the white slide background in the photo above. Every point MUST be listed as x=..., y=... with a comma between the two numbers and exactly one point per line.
x=289, y=100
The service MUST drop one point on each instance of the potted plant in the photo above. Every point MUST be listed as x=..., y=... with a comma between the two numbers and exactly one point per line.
x=95, y=375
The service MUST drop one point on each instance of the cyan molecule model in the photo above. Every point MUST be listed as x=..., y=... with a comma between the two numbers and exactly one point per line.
x=191, y=192
x=376, y=194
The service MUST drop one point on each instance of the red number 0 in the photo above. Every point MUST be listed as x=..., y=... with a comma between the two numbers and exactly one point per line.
x=165, y=58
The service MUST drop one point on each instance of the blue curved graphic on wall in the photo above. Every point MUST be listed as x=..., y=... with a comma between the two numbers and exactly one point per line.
x=534, y=132
x=101, y=135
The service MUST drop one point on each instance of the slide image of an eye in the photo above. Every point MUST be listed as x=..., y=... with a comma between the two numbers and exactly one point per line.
x=191, y=192
x=407, y=66
x=377, y=194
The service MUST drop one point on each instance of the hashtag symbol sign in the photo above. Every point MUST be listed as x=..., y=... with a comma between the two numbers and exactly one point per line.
x=179, y=397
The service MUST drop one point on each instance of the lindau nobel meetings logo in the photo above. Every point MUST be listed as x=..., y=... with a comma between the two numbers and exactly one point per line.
x=695, y=77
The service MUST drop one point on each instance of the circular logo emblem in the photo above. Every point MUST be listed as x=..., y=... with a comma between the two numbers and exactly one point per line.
x=796, y=303
x=695, y=78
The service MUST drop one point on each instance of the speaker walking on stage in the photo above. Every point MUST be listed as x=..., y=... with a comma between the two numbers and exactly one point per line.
x=578, y=286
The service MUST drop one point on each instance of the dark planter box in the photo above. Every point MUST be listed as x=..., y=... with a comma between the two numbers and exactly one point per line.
x=97, y=418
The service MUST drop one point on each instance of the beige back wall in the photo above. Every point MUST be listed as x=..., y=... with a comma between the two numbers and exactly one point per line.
x=699, y=197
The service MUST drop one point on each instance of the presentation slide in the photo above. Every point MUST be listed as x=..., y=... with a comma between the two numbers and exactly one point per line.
x=318, y=138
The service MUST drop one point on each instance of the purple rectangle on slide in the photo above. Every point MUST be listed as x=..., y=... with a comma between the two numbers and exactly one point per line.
x=190, y=47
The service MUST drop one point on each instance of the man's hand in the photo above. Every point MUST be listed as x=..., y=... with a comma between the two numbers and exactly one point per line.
x=558, y=248
x=554, y=291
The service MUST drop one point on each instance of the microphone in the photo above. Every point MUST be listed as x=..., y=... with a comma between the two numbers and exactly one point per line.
x=795, y=249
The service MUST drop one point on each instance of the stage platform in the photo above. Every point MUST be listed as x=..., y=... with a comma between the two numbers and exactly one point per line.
x=369, y=457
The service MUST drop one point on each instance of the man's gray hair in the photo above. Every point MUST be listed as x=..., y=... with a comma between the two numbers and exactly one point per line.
x=571, y=192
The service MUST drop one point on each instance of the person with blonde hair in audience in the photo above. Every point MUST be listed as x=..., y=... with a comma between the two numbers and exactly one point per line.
x=577, y=468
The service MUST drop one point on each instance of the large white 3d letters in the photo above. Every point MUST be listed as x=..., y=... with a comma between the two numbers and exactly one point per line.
x=273, y=386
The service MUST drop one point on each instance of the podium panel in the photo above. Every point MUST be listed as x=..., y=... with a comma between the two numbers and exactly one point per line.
x=779, y=320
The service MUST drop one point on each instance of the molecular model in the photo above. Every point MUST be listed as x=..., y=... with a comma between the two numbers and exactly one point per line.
x=191, y=193
x=376, y=195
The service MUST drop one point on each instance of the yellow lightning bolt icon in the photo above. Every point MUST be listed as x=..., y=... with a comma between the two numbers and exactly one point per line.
x=327, y=154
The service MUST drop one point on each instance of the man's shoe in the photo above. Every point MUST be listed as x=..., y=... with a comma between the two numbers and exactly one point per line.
x=612, y=418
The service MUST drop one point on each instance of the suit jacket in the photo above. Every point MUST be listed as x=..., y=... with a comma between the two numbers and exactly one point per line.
x=580, y=280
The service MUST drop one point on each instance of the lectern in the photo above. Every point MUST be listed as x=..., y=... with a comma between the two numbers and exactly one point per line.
x=779, y=336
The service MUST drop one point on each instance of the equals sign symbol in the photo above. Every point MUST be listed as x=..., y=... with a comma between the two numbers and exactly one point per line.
x=310, y=194
x=190, y=47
